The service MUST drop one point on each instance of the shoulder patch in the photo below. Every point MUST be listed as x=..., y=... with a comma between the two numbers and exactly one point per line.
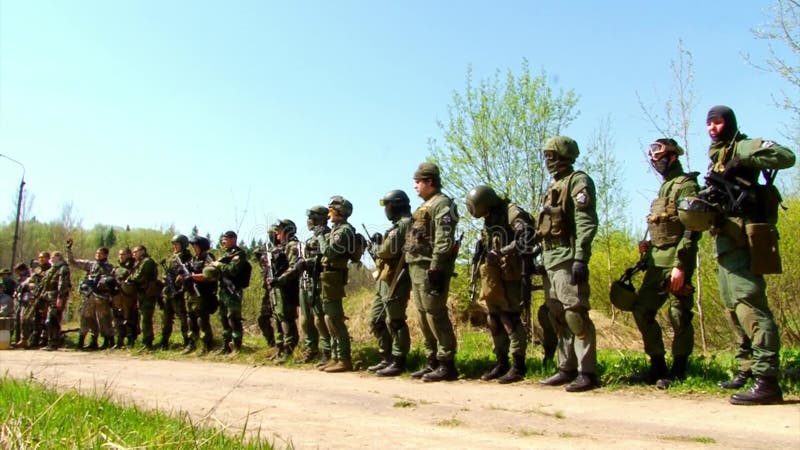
x=767, y=144
x=582, y=198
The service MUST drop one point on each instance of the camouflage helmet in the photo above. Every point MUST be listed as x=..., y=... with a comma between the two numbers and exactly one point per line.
x=622, y=295
x=341, y=205
x=480, y=200
x=696, y=214
x=317, y=212
x=211, y=273
x=181, y=239
x=286, y=225
x=563, y=146
x=201, y=242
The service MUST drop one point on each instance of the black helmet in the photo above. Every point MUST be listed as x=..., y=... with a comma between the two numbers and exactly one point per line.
x=697, y=214
x=286, y=225
x=395, y=203
x=480, y=200
x=341, y=205
x=201, y=242
x=181, y=239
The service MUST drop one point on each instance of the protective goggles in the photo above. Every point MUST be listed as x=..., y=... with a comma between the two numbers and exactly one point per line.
x=657, y=150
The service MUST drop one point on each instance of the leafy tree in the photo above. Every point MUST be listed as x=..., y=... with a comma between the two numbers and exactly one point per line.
x=110, y=237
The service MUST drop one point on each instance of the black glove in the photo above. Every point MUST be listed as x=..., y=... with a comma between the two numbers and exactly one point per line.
x=69, y=242
x=435, y=282
x=580, y=272
x=732, y=165
x=493, y=258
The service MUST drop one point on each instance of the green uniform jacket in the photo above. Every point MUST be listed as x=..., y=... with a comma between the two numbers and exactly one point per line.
x=230, y=264
x=56, y=281
x=677, y=184
x=579, y=219
x=391, y=249
x=754, y=155
x=431, y=236
x=337, y=246
x=144, y=276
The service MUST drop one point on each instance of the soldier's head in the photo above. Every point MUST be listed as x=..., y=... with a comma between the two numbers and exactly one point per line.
x=316, y=216
x=179, y=243
x=124, y=254
x=199, y=244
x=101, y=254
x=229, y=239
x=560, y=153
x=21, y=269
x=339, y=209
x=44, y=260
x=664, y=153
x=56, y=257
x=396, y=204
x=481, y=200
x=139, y=252
x=721, y=124
x=285, y=230
x=427, y=180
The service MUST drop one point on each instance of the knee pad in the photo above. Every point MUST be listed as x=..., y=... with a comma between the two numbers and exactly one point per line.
x=576, y=321
x=680, y=316
x=377, y=328
x=494, y=323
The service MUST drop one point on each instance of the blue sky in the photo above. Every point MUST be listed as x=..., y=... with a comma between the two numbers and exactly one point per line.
x=152, y=114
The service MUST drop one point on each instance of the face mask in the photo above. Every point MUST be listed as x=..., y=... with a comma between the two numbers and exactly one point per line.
x=554, y=162
x=661, y=165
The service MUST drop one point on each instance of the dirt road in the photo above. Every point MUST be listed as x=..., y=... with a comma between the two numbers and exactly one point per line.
x=310, y=409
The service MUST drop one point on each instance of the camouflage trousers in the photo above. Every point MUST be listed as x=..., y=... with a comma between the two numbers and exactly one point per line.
x=230, y=315
x=650, y=298
x=312, y=318
x=95, y=314
x=199, y=322
x=388, y=319
x=174, y=306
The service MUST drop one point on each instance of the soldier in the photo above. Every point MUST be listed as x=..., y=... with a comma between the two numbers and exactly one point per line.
x=21, y=296
x=746, y=248
x=125, y=305
x=336, y=248
x=430, y=254
x=144, y=278
x=36, y=310
x=173, y=293
x=267, y=308
x=56, y=286
x=201, y=291
x=566, y=227
x=234, y=277
x=96, y=292
x=388, y=314
x=670, y=256
x=9, y=285
x=6, y=304
x=285, y=286
x=506, y=263
x=315, y=331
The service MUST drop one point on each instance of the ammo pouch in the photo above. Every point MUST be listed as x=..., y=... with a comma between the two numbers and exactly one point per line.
x=492, y=289
x=763, y=241
x=665, y=227
x=333, y=282
x=551, y=222
x=768, y=200
x=511, y=266
x=154, y=288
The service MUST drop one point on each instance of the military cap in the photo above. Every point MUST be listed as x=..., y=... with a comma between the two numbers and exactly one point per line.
x=427, y=170
x=229, y=234
x=21, y=267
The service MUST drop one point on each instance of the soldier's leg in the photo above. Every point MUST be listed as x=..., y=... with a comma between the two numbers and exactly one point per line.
x=549, y=338
x=310, y=334
x=396, y=320
x=651, y=296
x=207, y=333
x=227, y=330
x=53, y=326
x=334, y=318
x=193, y=319
x=105, y=326
x=291, y=333
x=439, y=321
x=235, y=317
x=265, y=320
x=744, y=353
x=418, y=274
x=147, y=308
x=324, y=333
x=378, y=328
x=183, y=316
x=167, y=321
x=680, y=316
x=511, y=318
x=567, y=362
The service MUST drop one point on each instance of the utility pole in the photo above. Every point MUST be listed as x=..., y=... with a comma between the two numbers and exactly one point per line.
x=19, y=210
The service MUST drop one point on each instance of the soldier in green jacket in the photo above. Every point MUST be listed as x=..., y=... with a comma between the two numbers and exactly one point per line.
x=671, y=255
x=317, y=338
x=505, y=262
x=201, y=295
x=174, y=294
x=746, y=248
x=144, y=278
x=285, y=284
x=430, y=251
x=56, y=286
x=231, y=265
x=125, y=304
x=566, y=227
x=33, y=316
x=336, y=248
x=96, y=295
x=393, y=288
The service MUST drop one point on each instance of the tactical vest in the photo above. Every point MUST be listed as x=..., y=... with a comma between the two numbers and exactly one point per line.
x=339, y=261
x=390, y=250
x=418, y=238
x=663, y=224
x=99, y=271
x=556, y=226
x=207, y=290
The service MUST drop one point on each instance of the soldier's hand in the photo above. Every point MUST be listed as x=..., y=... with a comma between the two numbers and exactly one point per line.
x=580, y=272
x=677, y=278
x=69, y=242
x=493, y=258
x=644, y=246
x=434, y=282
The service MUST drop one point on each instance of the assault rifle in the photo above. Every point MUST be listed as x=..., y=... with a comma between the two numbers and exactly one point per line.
x=731, y=196
x=373, y=240
x=268, y=276
x=528, y=287
x=187, y=277
x=169, y=277
x=477, y=256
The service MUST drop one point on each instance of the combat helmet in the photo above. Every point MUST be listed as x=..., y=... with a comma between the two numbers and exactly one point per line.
x=341, y=205
x=395, y=204
x=563, y=146
x=287, y=225
x=622, y=294
x=696, y=214
x=201, y=242
x=181, y=239
x=480, y=200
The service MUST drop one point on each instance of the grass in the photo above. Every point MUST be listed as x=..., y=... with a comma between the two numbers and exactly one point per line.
x=698, y=439
x=32, y=416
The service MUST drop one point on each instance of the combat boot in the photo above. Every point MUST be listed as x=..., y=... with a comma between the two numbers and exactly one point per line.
x=130, y=341
x=432, y=365
x=108, y=342
x=309, y=356
x=394, y=369
x=560, y=379
x=584, y=382
x=765, y=391
x=445, y=372
x=324, y=360
x=331, y=362
x=677, y=373
x=382, y=364
x=516, y=372
x=236, y=348
x=92, y=343
x=188, y=348
x=120, y=345
x=738, y=381
x=344, y=365
x=81, y=341
x=657, y=371
x=225, y=349
x=163, y=343
x=500, y=368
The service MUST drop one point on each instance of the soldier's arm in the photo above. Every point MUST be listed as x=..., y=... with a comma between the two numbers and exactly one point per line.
x=686, y=254
x=524, y=238
x=293, y=256
x=584, y=201
x=83, y=264
x=337, y=243
x=446, y=220
x=392, y=245
x=64, y=284
x=231, y=268
x=764, y=154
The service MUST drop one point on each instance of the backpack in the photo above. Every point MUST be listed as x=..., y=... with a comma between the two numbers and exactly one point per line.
x=242, y=280
x=359, y=247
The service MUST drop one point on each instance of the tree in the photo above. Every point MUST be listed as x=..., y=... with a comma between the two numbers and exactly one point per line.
x=495, y=131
